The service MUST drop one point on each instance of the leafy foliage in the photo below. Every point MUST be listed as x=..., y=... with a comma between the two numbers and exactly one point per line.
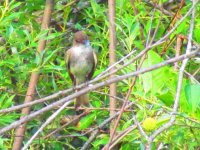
x=153, y=93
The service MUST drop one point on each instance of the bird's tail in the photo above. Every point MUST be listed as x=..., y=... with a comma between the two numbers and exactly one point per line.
x=82, y=100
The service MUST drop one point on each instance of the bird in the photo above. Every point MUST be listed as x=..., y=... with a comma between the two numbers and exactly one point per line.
x=81, y=61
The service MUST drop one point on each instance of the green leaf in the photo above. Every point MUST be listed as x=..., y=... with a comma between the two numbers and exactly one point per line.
x=53, y=36
x=101, y=140
x=6, y=102
x=11, y=17
x=86, y=121
x=2, y=145
x=127, y=124
x=127, y=146
x=192, y=92
x=155, y=80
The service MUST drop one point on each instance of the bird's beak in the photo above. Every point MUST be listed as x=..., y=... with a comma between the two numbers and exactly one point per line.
x=87, y=42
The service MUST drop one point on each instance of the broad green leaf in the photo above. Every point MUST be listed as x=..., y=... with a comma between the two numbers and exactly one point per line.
x=10, y=18
x=155, y=80
x=86, y=121
x=192, y=92
x=127, y=146
x=7, y=102
x=101, y=140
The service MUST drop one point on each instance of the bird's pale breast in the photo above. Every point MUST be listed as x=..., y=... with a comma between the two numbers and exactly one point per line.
x=80, y=61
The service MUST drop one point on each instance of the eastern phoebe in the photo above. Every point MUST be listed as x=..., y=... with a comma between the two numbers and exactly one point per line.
x=81, y=62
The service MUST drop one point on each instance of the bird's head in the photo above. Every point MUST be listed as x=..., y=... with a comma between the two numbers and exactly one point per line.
x=81, y=38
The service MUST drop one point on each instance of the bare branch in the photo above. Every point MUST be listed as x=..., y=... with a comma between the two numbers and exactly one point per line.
x=101, y=77
x=112, y=55
x=150, y=29
x=48, y=121
x=96, y=86
x=179, y=86
x=20, y=131
x=95, y=132
x=164, y=11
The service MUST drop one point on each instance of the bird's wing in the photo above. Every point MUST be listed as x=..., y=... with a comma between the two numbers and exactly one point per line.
x=95, y=59
x=67, y=62
x=67, y=57
x=89, y=76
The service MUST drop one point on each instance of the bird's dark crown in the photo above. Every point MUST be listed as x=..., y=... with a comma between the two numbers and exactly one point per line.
x=80, y=37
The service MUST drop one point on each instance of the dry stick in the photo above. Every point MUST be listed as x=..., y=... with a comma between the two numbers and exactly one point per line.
x=20, y=131
x=172, y=22
x=179, y=85
x=114, y=65
x=112, y=55
x=125, y=102
x=129, y=129
x=140, y=127
x=96, y=86
x=149, y=33
x=65, y=125
x=196, y=72
x=164, y=11
x=159, y=42
x=96, y=131
x=191, y=76
x=175, y=17
x=49, y=120
x=121, y=135
x=186, y=117
x=60, y=93
x=94, y=108
x=143, y=58
x=116, y=97
x=179, y=43
x=51, y=97
x=130, y=89
x=136, y=12
x=188, y=74
x=155, y=31
x=95, y=128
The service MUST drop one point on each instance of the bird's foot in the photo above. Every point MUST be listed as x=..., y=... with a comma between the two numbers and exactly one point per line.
x=81, y=109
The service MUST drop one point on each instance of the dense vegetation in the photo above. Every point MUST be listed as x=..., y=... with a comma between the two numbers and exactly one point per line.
x=153, y=93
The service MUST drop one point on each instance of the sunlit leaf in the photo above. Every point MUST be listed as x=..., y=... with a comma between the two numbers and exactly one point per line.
x=192, y=92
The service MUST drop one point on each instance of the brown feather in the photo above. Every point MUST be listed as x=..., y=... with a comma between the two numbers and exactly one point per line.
x=78, y=56
x=79, y=38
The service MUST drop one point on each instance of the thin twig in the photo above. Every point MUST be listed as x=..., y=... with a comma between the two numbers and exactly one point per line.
x=99, y=78
x=164, y=11
x=96, y=86
x=20, y=131
x=48, y=121
x=112, y=55
x=65, y=125
x=150, y=29
x=95, y=132
x=125, y=102
x=121, y=135
x=179, y=85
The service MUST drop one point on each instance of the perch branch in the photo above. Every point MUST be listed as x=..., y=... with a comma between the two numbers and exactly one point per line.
x=179, y=84
x=96, y=86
